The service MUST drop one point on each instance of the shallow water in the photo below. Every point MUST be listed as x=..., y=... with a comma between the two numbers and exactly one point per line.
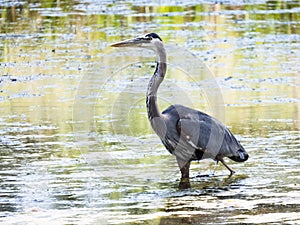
x=76, y=146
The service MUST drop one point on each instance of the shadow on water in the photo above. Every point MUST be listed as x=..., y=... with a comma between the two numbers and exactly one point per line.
x=119, y=173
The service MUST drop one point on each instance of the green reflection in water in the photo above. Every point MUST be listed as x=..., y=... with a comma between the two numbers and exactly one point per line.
x=48, y=46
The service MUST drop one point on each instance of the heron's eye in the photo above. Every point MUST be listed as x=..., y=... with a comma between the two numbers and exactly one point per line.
x=148, y=37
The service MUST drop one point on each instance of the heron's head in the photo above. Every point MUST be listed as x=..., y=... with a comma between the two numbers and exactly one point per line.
x=150, y=41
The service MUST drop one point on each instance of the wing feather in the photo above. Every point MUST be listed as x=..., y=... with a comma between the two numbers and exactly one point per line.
x=206, y=134
x=194, y=135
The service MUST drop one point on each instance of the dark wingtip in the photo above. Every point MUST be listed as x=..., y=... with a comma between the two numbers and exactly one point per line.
x=242, y=156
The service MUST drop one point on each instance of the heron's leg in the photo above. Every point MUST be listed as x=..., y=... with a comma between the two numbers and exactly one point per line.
x=218, y=158
x=184, y=167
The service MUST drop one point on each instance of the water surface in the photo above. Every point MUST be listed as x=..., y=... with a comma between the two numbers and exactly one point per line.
x=76, y=146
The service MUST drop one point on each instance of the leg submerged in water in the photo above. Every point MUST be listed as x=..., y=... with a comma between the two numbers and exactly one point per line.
x=184, y=167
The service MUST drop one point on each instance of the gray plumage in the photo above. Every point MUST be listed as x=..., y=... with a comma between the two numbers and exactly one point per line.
x=186, y=133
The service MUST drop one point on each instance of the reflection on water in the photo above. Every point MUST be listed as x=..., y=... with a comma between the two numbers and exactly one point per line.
x=98, y=162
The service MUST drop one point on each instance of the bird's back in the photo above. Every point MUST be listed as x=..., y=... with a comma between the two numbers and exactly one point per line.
x=196, y=135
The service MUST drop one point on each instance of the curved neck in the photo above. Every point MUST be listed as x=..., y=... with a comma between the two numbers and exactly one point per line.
x=155, y=81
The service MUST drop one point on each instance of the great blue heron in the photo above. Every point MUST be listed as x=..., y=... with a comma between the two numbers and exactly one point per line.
x=186, y=133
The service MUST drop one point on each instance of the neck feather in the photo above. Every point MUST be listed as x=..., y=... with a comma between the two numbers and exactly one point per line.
x=155, y=81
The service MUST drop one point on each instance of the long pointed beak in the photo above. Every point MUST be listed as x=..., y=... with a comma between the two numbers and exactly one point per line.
x=135, y=42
